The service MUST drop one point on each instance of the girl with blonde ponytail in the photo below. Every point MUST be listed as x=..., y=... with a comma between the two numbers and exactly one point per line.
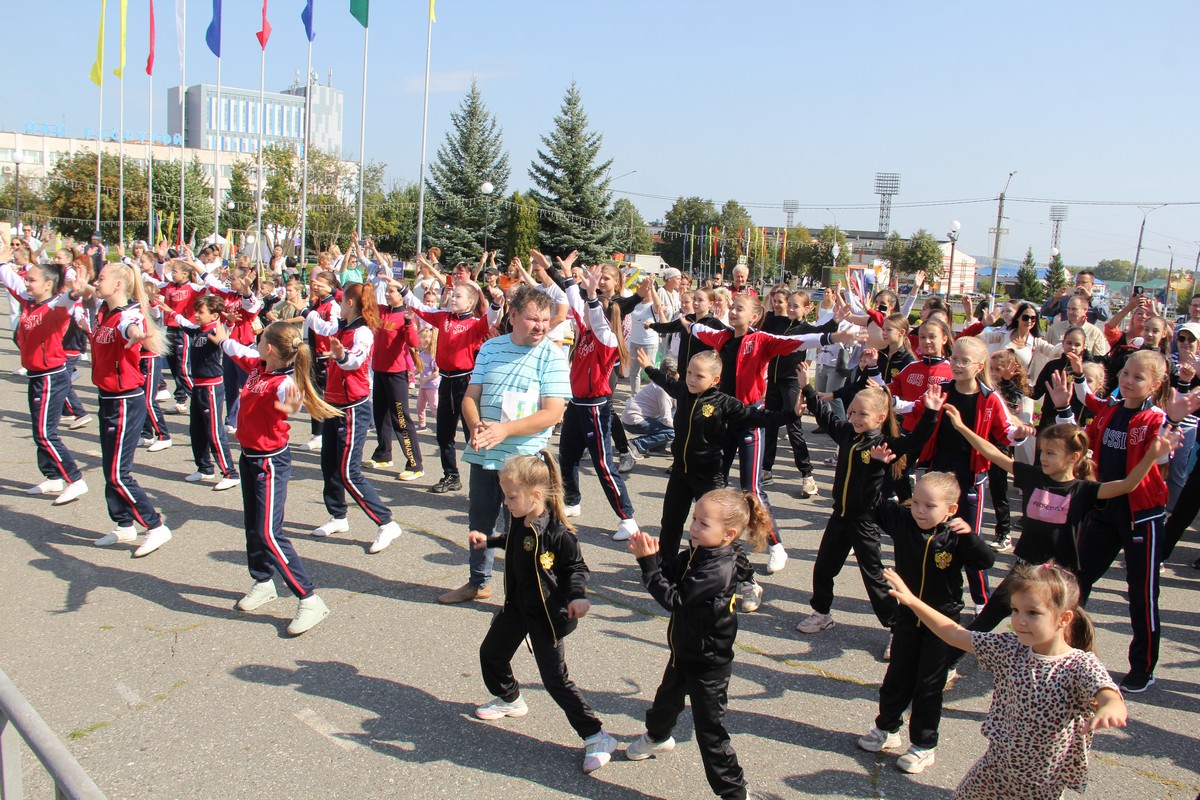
x=279, y=381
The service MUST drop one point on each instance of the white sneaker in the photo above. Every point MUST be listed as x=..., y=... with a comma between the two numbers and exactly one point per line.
x=313, y=445
x=628, y=461
x=887, y=649
x=916, y=759
x=181, y=408
x=388, y=533
x=73, y=492
x=815, y=623
x=776, y=558
x=163, y=395
x=750, y=596
x=877, y=740
x=627, y=528
x=497, y=708
x=21, y=372
x=572, y=511
x=331, y=527
x=198, y=476
x=808, y=487
x=231, y=429
x=155, y=538
x=597, y=751
x=144, y=442
x=259, y=595
x=161, y=444
x=643, y=748
x=311, y=611
x=226, y=483
x=80, y=422
x=117, y=535
x=48, y=486
x=951, y=677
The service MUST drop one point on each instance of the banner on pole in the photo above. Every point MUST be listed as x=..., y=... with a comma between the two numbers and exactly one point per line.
x=360, y=10
x=213, y=35
x=150, y=58
x=120, y=70
x=97, y=73
x=265, y=33
x=306, y=16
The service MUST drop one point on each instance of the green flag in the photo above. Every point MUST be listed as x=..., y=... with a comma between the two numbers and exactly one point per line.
x=359, y=10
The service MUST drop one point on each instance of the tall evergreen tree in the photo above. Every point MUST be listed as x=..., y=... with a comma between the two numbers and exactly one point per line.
x=1056, y=276
x=521, y=226
x=1028, y=286
x=632, y=235
x=460, y=217
x=571, y=188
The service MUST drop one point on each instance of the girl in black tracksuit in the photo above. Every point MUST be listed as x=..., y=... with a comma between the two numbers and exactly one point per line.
x=698, y=586
x=703, y=416
x=545, y=595
x=932, y=553
x=858, y=483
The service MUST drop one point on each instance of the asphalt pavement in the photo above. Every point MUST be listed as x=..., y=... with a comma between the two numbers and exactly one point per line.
x=162, y=690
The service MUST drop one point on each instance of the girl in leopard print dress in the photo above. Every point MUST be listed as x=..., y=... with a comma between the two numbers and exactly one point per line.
x=1051, y=690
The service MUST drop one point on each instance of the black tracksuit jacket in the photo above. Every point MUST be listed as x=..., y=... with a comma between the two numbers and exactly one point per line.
x=698, y=587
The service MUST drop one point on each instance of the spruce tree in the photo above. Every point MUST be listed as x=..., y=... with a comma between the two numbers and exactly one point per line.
x=571, y=188
x=1028, y=285
x=521, y=227
x=459, y=217
x=1056, y=276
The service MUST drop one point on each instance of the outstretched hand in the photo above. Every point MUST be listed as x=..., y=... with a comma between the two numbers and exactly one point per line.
x=477, y=540
x=291, y=400
x=217, y=334
x=935, y=398
x=881, y=452
x=643, y=358
x=1059, y=388
x=899, y=590
x=1167, y=441
x=802, y=374
x=642, y=544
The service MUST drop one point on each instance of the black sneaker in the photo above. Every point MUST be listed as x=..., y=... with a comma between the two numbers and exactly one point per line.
x=1135, y=683
x=450, y=483
x=767, y=478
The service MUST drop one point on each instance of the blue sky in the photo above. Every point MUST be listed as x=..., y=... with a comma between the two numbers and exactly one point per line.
x=757, y=101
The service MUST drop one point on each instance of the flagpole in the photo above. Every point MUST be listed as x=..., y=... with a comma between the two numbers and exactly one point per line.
x=121, y=160
x=150, y=170
x=262, y=116
x=182, y=123
x=99, y=150
x=217, y=161
x=362, y=134
x=304, y=179
x=424, y=138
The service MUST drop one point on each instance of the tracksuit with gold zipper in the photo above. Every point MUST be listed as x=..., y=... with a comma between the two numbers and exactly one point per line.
x=543, y=572
x=698, y=586
x=932, y=563
x=858, y=485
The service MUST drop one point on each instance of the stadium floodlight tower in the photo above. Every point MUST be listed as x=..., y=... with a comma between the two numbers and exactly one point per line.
x=1058, y=215
x=790, y=207
x=887, y=186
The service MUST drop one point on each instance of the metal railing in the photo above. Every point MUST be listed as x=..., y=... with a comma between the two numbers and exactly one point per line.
x=19, y=720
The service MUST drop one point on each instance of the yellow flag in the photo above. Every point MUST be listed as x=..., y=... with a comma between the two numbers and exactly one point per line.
x=121, y=69
x=97, y=73
x=432, y=16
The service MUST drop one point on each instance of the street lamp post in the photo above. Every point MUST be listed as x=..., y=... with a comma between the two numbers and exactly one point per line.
x=1137, y=255
x=17, y=158
x=955, y=227
x=1167, y=289
x=486, y=188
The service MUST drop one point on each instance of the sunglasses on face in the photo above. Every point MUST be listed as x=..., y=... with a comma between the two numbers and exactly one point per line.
x=1185, y=337
x=1029, y=317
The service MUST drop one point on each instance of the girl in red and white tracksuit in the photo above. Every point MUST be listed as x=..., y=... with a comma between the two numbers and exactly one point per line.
x=983, y=409
x=1120, y=434
x=323, y=306
x=587, y=422
x=241, y=309
x=932, y=365
x=393, y=367
x=45, y=316
x=200, y=368
x=279, y=379
x=745, y=354
x=119, y=333
x=348, y=388
x=179, y=294
x=461, y=332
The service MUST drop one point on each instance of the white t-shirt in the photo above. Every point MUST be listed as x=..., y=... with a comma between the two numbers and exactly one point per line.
x=639, y=334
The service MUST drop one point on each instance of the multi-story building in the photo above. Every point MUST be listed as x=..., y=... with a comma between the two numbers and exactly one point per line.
x=235, y=128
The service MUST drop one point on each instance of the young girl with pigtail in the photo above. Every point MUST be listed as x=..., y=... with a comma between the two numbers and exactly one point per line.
x=698, y=586
x=545, y=596
x=348, y=388
x=121, y=331
x=279, y=380
x=1051, y=691
x=46, y=314
x=1123, y=430
x=1012, y=384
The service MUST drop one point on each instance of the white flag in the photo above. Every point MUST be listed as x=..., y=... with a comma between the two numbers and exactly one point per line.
x=181, y=27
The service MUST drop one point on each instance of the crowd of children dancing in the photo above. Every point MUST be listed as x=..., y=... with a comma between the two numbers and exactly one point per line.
x=1096, y=427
